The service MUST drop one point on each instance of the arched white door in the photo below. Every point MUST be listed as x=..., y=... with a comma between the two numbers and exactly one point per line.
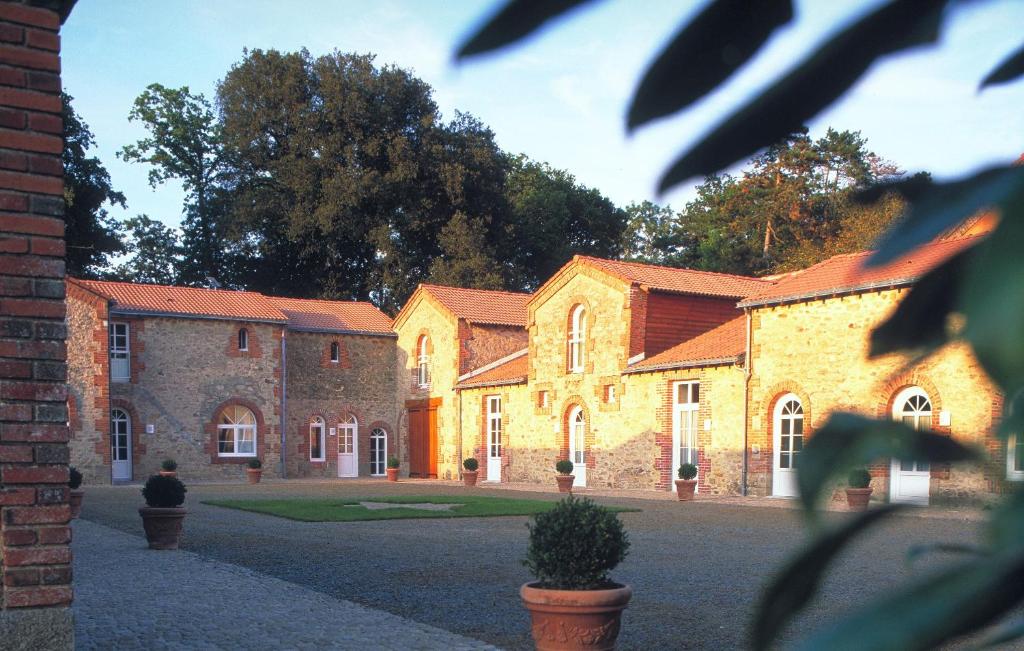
x=909, y=481
x=494, y=438
x=348, y=447
x=787, y=442
x=120, y=446
x=378, y=452
x=577, y=445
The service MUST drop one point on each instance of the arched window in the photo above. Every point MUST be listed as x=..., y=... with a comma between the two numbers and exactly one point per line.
x=120, y=444
x=236, y=433
x=789, y=420
x=378, y=452
x=243, y=339
x=423, y=362
x=316, y=439
x=577, y=337
x=577, y=436
x=335, y=352
x=913, y=408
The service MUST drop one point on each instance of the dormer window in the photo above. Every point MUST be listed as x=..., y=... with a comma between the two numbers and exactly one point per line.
x=577, y=337
x=423, y=363
x=243, y=339
x=335, y=352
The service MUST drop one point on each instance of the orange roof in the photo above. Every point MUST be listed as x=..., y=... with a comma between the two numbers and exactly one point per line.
x=847, y=273
x=136, y=298
x=512, y=371
x=485, y=306
x=333, y=316
x=677, y=280
x=724, y=344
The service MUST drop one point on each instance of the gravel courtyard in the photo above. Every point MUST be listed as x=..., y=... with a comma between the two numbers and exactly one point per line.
x=696, y=569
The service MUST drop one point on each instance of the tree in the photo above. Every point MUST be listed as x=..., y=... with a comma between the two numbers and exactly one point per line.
x=467, y=259
x=156, y=253
x=981, y=289
x=649, y=234
x=92, y=235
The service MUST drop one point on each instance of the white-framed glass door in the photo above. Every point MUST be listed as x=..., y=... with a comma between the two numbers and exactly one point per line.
x=787, y=443
x=685, y=410
x=120, y=370
x=494, y=438
x=910, y=481
x=120, y=445
x=578, y=446
x=348, y=448
x=378, y=452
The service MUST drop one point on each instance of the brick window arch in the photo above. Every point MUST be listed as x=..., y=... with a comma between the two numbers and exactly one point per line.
x=244, y=342
x=237, y=429
x=573, y=406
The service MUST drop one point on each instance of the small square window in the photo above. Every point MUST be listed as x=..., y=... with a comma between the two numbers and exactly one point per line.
x=542, y=399
x=335, y=352
x=609, y=393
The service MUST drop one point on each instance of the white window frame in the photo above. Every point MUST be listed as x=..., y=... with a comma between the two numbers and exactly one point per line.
x=318, y=423
x=335, y=352
x=543, y=399
x=237, y=429
x=243, y=340
x=347, y=432
x=922, y=417
x=785, y=412
x=494, y=425
x=577, y=337
x=379, y=433
x=1012, y=473
x=120, y=352
x=423, y=363
x=609, y=393
x=119, y=420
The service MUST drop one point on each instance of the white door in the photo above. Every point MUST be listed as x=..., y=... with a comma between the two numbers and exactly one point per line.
x=378, y=452
x=685, y=409
x=348, y=443
x=909, y=481
x=120, y=446
x=494, y=438
x=577, y=446
x=788, y=441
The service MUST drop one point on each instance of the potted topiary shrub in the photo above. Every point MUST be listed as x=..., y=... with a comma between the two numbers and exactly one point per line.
x=469, y=473
x=393, y=466
x=564, y=478
x=859, y=492
x=573, y=604
x=75, y=500
x=254, y=471
x=687, y=483
x=162, y=515
x=169, y=468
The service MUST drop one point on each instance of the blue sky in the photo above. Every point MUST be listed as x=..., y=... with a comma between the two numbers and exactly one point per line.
x=561, y=96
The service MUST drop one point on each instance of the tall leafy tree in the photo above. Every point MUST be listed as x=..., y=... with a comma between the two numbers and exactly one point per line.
x=649, y=234
x=93, y=237
x=155, y=253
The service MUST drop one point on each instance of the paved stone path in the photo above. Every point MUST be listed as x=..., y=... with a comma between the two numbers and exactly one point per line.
x=129, y=597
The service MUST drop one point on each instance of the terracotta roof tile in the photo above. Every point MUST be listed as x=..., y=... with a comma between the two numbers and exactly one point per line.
x=682, y=281
x=191, y=301
x=333, y=316
x=482, y=305
x=724, y=344
x=511, y=372
x=846, y=273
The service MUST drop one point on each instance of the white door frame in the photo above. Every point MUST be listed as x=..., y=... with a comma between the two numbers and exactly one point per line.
x=792, y=419
x=382, y=466
x=120, y=469
x=577, y=435
x=684, y=412
x=350, y=428
x=911, y=486
x=494, y=442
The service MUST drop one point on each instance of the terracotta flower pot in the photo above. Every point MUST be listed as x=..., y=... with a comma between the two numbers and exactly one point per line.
x=162, y=525
x=392, y=474
x=469, y=477
x=857, y=498
x=575, y=619
x=254, y=474
x=685, y=489
x=76, y=502
x=168, y=473
x=565, y=483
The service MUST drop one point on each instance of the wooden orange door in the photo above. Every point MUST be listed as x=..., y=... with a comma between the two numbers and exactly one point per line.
x=423, y=438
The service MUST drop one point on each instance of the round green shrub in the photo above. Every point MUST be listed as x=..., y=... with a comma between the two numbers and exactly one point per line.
x=563, y=466
x=859, y=478
x=393, y=462
x=687, y=471
x=575, y=545
x=163, y=492
x=255, y=464
x=168, y=465
x=74, y=478
x=471, y=464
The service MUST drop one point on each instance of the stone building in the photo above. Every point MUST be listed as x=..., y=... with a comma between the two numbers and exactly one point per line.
x=211, y=379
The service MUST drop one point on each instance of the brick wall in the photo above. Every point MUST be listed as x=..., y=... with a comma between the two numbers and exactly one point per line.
x=35, y=558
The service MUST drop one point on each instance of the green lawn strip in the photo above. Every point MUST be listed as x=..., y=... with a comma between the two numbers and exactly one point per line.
x=349, y=510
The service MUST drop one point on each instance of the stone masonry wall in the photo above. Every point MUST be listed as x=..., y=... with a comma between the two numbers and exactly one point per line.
x=88, y=384
x=483, y=344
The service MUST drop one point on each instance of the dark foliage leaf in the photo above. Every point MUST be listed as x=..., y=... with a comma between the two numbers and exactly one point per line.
x=516, y=20
x=935, y=207
x=705, y=52
x=917, y=551
x=1010, y=68
x=1006, y=526
x=919, y=321
x=1003, y=635
x=813, y=85
x=930, y=612
x=798, y=581
x=848, y=440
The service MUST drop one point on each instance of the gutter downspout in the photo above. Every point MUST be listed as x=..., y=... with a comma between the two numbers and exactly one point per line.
x=284, y=402
x=747, y=364
x=458, y=431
